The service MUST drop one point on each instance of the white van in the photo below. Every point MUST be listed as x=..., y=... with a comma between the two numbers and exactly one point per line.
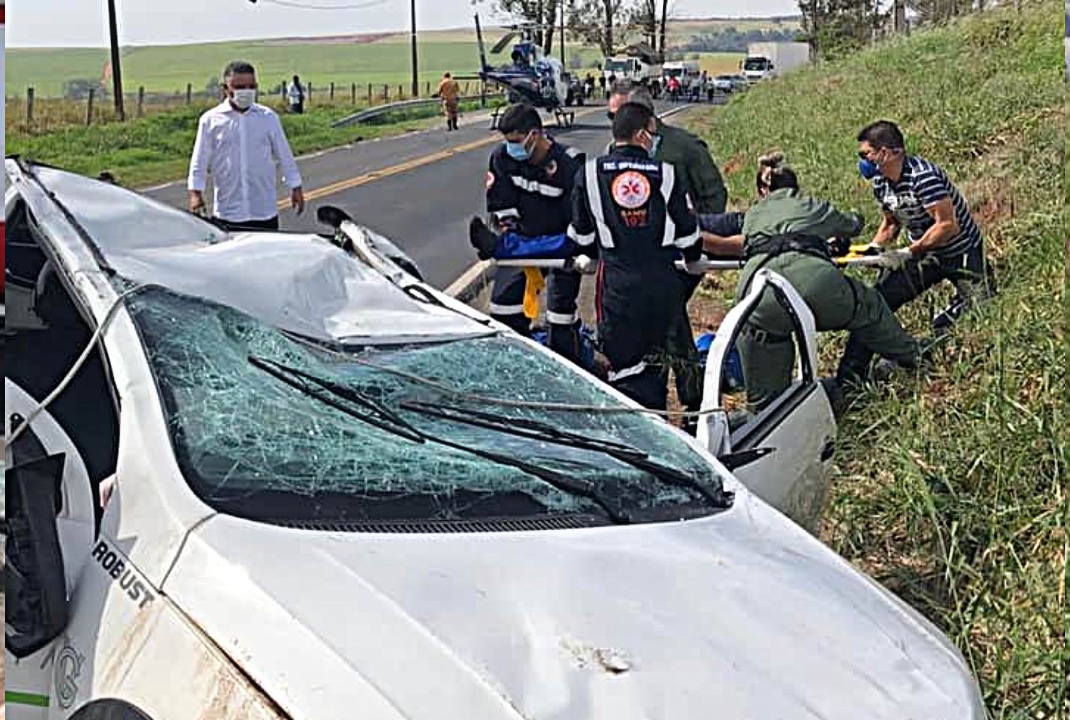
x=685, y=71
x=270, y=476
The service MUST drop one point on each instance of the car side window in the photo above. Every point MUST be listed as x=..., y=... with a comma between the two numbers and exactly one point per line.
x=44, y=335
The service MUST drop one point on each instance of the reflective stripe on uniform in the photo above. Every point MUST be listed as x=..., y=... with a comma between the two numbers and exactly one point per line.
x=627, y=372
x=537, y=187
x=687, y=240
x=587, y=239
x=556, y=318
x=507, y=213
x=594, y=199
x=668, y=180
x=496, y=309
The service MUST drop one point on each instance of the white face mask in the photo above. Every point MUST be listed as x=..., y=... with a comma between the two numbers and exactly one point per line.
x=244, y=98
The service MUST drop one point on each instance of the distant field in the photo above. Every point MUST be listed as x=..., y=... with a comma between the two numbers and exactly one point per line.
x=378, y=59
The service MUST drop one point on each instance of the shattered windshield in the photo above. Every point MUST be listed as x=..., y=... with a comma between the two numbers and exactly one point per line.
x=253, y=445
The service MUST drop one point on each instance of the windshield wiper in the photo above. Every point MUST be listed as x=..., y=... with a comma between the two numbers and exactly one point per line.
x=536, y=430
x=372, y=412
x=376, y=414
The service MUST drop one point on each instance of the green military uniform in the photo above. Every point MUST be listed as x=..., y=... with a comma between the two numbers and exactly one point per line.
x=690, y=155
x=787, y=233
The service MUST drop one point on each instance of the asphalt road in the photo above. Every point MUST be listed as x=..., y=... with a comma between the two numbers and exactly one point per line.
x=419, y=189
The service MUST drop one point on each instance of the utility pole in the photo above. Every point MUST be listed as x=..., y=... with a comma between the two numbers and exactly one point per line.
x=415, y=70
x=116, y=72
x=562, y=4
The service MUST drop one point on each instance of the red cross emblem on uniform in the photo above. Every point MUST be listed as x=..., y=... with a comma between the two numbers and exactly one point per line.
x=631, y=189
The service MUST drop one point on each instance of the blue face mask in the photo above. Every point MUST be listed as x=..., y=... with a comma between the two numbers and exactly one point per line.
x=868, y=169
x=517, y=151
x=654, y=146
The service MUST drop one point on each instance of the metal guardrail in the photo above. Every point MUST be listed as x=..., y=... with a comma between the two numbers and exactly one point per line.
x=380, y=110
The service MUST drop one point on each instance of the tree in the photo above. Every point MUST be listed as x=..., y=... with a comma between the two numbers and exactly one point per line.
x=664, y=22
x=540, y=12
x=937, y=11
x=596, y=21
x=646, y=19
x=836, y=27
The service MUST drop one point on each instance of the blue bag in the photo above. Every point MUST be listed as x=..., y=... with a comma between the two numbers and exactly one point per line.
x=733, y=368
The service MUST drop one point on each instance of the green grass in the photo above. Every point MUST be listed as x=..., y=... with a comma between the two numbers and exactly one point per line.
x=156, y=149
x=951, y=490
x=168, y=68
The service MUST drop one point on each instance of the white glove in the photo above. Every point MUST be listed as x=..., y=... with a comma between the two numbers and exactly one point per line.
x=895, y=259
x=696, y=267
x=584, y=264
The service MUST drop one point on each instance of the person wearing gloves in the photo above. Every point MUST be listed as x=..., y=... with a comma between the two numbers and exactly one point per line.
x=945, y=241
x=631, y=210
x=787, y=232
x=705, y=189
x=239, y=143
x=528, y=189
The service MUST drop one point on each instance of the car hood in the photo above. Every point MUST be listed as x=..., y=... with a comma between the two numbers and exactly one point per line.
x=742, y=612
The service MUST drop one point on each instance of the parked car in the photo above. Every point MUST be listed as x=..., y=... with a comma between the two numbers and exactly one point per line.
x=288, y=479
x=723, y=84
x=739, y=83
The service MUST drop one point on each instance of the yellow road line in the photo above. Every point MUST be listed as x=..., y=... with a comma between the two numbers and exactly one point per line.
x=388, y=171
x=394, y=169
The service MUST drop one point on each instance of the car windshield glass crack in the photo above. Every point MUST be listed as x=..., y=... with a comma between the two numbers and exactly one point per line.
x=240, y=432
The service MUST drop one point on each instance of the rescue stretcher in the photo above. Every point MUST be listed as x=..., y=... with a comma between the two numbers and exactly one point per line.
x=857, y=257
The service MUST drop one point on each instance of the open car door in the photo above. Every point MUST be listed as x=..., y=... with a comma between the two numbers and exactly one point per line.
x=784, y=454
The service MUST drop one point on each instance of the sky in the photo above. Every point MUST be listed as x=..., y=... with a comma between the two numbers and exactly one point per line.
x=83, y=23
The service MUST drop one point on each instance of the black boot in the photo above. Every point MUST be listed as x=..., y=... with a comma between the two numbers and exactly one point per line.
x=482, y=238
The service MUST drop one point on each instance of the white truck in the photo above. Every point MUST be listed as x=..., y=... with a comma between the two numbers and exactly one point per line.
x=683, y=70
x=636, y=62
x=772, y=59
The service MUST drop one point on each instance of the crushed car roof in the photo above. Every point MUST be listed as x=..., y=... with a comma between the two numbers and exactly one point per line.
x=299, y=282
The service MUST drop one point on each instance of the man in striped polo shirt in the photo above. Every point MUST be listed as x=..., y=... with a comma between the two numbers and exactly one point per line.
x=945, y=241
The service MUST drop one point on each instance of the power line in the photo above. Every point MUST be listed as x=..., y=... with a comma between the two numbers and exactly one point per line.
x=306, y=6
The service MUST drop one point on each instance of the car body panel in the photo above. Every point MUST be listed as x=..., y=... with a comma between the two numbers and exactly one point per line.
x=740, y=610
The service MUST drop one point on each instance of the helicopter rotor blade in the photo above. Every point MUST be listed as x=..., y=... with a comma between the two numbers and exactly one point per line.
x=500, y=45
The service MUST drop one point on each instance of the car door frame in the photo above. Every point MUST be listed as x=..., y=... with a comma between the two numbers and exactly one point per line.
x=801, y=417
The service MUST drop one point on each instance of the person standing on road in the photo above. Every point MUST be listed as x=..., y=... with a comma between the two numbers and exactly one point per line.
x=788, y=233
x=698, y=174
x=295, y=96
x=631, y=210
x=529, y=186
x=945, y=241
x=450, y=92
x=239, y=143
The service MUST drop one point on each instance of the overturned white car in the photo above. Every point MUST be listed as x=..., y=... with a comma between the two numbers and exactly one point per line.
x=293, y=481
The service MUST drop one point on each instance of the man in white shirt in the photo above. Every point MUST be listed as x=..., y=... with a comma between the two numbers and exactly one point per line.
x=238, y=143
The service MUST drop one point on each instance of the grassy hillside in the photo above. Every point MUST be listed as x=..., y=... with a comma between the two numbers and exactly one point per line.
x=951, y=490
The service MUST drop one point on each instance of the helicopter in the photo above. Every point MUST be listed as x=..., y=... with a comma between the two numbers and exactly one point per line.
x=532, y=77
